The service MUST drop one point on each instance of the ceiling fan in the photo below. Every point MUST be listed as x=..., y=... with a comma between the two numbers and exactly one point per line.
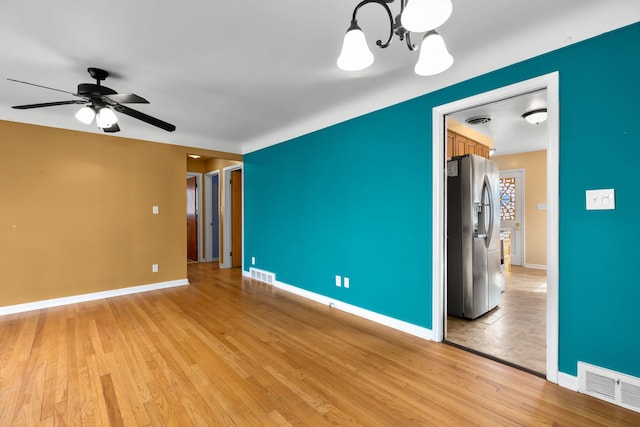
x=100, y=102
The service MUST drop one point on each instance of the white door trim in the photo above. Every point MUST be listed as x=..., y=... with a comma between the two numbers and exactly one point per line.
x=226, y=174
x=208, y=202
x=198, y=211
x=550, y=82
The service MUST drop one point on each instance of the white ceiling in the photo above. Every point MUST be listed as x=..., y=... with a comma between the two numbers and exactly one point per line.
x=508, y=130
x=239, y=76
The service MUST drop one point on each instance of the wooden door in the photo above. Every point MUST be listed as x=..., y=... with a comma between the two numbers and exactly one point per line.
x=236, y=218
x=192, y=220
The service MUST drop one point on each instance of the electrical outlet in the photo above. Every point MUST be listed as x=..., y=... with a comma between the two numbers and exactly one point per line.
x=253, y=260
x=154, y=268
x=338, y=281
x=346, y=282
x=156, y=210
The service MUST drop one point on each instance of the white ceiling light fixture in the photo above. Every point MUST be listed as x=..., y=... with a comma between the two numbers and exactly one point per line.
x=434, y=57
x=106, y=118
x=414, y=16
x=86, y=115
x=355, y=54
x=535, y=117
x=424, y=15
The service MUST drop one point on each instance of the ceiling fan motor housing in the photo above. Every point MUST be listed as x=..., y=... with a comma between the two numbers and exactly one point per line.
x=91, y=89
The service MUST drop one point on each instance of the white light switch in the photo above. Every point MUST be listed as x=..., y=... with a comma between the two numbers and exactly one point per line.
x=156, y=210
x=338, y=281
x=601, y=199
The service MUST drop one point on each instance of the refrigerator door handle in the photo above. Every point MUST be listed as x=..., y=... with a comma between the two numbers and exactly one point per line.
x=489, y=190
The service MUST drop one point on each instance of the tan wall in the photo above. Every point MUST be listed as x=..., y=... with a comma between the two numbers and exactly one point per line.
x=535, y=165
x=76, y=212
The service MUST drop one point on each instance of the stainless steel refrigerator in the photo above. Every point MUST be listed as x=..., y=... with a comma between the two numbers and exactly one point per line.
x=474, y=279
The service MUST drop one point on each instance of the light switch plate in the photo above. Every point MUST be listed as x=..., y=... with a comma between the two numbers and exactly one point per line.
x=601, y=199
x=155, y=210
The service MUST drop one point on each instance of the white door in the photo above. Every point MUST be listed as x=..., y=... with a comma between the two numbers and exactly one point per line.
x=512, y=211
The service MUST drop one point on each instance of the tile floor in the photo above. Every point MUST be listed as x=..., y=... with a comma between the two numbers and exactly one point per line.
x=515, y=331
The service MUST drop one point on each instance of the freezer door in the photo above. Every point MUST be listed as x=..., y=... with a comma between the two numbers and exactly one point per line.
x=476, y=298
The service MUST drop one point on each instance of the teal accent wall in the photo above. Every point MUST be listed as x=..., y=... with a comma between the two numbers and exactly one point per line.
x=347, y=201
x=354, y=200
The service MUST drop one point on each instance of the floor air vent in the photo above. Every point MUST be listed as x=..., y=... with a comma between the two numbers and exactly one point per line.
x=614, y=387
x=263, y=276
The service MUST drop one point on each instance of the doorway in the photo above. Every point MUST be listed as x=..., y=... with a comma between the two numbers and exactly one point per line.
x=212, y=216
x=192, y=219
x=550, y=84
x=232, y=247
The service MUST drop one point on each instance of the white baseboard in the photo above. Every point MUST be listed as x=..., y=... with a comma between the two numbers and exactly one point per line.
x=537, y=266
x=568, y=381
x=37, y=305
x=400, y=325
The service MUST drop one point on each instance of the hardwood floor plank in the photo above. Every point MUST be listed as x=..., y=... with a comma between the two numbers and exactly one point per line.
x=228, y=351
x=111, y=400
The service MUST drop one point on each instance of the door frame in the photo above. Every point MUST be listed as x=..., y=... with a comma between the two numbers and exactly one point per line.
x=198, y=177
x=550, y=82
x=226, y=224
x=523, y=213
x=208, y=202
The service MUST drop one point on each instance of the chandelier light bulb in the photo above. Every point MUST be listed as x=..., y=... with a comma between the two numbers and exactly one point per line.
x=355, y=54
x=424, y=15
x=106, y=118
x=86, y=115
x=434, y=57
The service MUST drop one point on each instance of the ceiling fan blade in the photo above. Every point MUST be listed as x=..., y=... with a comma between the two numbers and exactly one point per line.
x=127, y=98
x=45, y=87
x=145, y=118
x=48, y=104
x=114, y=128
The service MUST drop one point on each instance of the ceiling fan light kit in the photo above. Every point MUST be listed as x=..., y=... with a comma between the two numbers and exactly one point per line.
x=101, y=102
x=105, y=118
x=415, y=16
x=86, y=115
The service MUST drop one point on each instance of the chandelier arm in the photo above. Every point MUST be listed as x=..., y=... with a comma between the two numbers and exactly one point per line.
x=410, y=45
x=382, y=3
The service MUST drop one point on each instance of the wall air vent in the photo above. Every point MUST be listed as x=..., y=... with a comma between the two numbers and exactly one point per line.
x=614, y=387
x=263, y=276
x=478, y=120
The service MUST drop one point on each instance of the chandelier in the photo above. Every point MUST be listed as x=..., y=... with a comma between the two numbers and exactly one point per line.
x=416, y=16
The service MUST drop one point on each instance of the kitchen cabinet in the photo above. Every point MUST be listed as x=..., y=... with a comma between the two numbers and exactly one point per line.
x=458, y=145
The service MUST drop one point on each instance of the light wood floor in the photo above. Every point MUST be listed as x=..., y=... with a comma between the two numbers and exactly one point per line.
x=229, y=351
x=515, y=331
